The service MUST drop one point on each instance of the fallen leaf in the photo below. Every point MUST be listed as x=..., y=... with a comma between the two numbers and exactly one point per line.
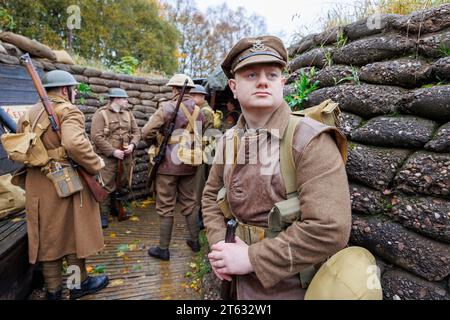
x=99, y=268
x=193, y=265
x=126, y=258
x=132, y=247
x=113, y=235
x=116, y=283
x=89, y=269
x=134, y=218
x=17, y=220
x=120, y=254
x=136, y=267
x=125, y=271
x=128, y=232
x=122, y=247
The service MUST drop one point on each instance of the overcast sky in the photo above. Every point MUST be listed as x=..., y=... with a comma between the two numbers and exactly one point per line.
x=284, y=17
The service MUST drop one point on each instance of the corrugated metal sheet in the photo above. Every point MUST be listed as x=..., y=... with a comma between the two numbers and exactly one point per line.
x=16, y=87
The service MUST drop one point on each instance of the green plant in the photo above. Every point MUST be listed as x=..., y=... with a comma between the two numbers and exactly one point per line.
x=341, y=39
x=6, y=20
x=353, y=78
x=302, y=88
x=84, y=90
x=200, y=265
x=445, y=52
x=126, y=65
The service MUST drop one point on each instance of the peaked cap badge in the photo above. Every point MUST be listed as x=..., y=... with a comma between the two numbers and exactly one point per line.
x=258, y=46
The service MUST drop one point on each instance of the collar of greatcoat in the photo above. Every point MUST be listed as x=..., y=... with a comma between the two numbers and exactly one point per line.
x=277, y=123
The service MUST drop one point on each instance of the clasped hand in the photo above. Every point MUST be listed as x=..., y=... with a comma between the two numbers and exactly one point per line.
x=229, y=259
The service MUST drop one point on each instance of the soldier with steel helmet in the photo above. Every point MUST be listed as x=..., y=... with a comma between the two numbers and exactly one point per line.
x=175, y=177
x=115, y=134
x=62, y=227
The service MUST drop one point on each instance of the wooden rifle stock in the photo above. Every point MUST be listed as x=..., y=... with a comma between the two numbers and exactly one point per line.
x=122, y=215
x=162, y=150
x=225, y=290
x=97, y=190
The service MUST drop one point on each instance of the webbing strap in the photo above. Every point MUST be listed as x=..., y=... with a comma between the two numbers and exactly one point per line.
x=287, y=164
x=190, y=117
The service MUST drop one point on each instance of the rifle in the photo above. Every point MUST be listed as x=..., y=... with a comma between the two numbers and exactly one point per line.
x=225, y=290
x=162, y=150
x=97, y=190
x=121, y=214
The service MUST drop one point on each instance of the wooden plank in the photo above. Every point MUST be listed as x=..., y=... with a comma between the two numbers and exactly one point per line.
x=15, y=225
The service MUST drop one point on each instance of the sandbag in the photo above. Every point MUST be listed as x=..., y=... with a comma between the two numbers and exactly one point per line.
x=12, y=198
x=2, y=49
x=63, y=57
x=12, y=50
x=34, y=47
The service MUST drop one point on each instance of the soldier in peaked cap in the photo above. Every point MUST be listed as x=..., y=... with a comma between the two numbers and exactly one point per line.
x=175, y=177
x=115, y=134
x=273, y=268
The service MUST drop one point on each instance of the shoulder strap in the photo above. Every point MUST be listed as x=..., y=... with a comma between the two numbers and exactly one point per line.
x=190, y=117
x=287, y=163
x=105, y=119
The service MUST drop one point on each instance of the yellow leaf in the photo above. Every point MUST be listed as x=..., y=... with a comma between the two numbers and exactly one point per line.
x=120, y=254
x=134, y=218
x=193, y=265
x=113, y=235
x=132, y=247
x=126, y=258
x=116, y=283
x=17, y=219
x=89, y=269
x=128, y=232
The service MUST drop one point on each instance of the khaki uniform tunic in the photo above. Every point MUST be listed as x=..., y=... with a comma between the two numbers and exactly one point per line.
x=324, y=198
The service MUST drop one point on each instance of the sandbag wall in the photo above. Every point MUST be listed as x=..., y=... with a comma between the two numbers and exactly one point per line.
x=143, y=96
x=392, y=84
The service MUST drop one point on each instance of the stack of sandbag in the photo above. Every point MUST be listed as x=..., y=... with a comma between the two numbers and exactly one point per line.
x=25, y=44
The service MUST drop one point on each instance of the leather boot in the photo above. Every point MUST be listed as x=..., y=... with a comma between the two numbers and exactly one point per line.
x=194, y=229
x=194, y=245
x=54, y=295
x=158, y=253
x=89, y=286
x=165, y=234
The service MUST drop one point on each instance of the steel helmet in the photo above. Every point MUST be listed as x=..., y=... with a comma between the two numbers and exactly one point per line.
x=58, y=78
x=117, y=93
x=350, y=274
x=178, y=81
x=199, y=89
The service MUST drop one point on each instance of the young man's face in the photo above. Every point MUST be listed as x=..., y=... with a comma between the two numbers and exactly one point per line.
x=259, y=86
x=198, y=98
x=123, y=102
